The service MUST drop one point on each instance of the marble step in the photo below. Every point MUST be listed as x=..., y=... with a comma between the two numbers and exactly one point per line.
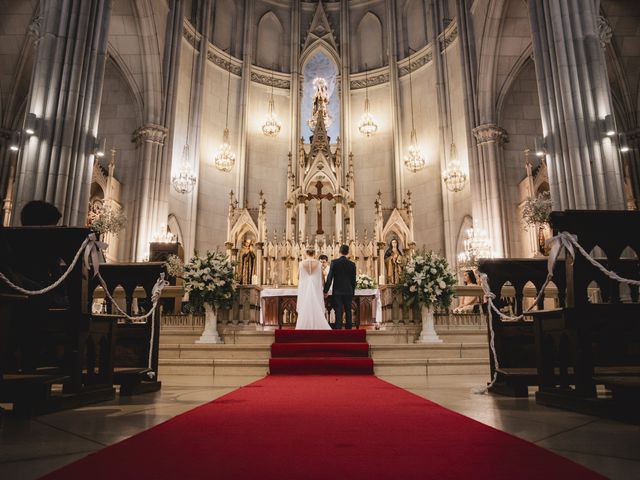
x=212, y=366
x=431, y=366
x=221, y=351
x=430, y=351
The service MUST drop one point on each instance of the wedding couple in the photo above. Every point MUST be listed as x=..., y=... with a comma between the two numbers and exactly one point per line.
x=312, y=291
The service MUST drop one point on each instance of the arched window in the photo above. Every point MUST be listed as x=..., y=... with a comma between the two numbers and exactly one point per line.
x=416, y=24
x=320, y=64
x=269, y=42
x=224, y=23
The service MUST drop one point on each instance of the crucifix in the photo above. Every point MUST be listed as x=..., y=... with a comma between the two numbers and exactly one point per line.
x=319, y=196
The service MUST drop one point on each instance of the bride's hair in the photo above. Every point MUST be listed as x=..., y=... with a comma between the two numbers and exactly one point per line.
x=311, y=251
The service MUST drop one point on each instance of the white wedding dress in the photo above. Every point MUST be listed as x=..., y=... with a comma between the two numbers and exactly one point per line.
x=310, y=297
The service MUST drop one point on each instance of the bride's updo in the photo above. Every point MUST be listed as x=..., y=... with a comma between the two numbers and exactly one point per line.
x=311, y=252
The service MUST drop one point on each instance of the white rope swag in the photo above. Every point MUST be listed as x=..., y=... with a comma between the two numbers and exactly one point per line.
x=90, y=252
x=563, y=240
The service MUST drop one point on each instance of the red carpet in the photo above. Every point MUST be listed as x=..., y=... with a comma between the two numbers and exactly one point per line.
x=322, y=427
x=326, y=352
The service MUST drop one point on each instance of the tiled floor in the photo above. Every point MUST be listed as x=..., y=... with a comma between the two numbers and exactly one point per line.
x=29, y=449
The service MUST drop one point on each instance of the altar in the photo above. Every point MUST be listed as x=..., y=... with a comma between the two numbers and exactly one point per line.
x=278, y=307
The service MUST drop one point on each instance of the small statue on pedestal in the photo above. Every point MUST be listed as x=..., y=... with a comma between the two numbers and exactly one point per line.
x=393, y=260
x=247, y=262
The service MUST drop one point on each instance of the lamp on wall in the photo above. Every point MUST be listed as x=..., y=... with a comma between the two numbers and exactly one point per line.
x=624, y=144
x=413, y=160
x=609, y=126
x=367, y=125
x=225, y=158
x=185, y=180
x=271, y=127
x=100, y=147
x=540, y=147
x=30, y=124
x=14, y=143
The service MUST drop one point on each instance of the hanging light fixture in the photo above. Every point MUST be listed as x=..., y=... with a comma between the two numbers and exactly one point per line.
x=271, y=127
x=454, y=177
x=413, y=160
x=477, y=245
x=367, y=125
x=185, y=180
x=225, y=158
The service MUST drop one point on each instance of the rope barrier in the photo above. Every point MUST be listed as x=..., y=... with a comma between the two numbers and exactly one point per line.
x=90, y=252
x=558, y=243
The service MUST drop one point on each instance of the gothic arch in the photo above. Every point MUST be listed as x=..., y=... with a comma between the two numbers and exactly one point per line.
x=269, y=46
x=415, y=25
x=523, y=61
x=224, y=24
x=369, y=34
x=173, y=225
x=115, y=60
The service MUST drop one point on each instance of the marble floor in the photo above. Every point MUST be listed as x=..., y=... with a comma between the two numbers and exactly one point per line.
x=31, y=448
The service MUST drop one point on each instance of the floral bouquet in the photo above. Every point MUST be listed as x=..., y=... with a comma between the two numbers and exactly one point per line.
x=537, y=211
x=108, y=219
x=426, y=280
x=207, y=280
x=364, y=282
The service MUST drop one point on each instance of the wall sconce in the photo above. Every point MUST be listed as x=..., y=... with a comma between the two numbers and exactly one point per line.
x=624, y=145
x=14, y=143
x=609, y=126
x=100, y=147
x=540, y=147
x=30, y=124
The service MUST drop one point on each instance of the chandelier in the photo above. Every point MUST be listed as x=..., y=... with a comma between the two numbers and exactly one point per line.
x=477, y=245
x=225, y=158
x=367, y=125
x=184, y=181
x=163, y=235
x=271, y=127
x=454, y=177
x=413, y=160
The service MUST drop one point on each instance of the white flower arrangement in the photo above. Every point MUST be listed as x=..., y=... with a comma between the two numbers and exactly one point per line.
x=364, y=282
x=108, y=219
x=207, y=280
x=426, y=280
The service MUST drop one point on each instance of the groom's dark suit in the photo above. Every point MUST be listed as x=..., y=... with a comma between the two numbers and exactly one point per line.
x=343, y=276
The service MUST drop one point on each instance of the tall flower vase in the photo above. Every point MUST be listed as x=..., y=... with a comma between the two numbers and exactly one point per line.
x=428, y=334
x=210, y=333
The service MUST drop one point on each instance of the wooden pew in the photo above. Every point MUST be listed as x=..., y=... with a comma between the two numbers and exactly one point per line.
x=133, y=340
x=584, y=344
x=514, y=340
x=56, y=355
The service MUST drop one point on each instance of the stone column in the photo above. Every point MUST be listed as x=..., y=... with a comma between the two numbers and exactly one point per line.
x=150, y=141
x=247, y=61
x=57, y=161
x=345, y=82
x=584, y=165
x=490, y=202
x=302, y=220
x=394, y=93
x=631, y=165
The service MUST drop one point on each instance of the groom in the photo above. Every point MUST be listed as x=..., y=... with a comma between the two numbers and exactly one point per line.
x=342, y=274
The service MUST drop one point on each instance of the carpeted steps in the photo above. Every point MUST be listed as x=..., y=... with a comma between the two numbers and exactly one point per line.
x=324, y=352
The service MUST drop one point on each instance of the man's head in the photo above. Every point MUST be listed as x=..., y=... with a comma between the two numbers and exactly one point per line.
x=344, y=250
x=324, y=260
x=37, y=212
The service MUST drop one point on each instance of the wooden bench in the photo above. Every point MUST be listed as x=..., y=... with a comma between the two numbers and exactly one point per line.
x=133, y=340
x=55, y=355
x=515, y=340
x=585, y=344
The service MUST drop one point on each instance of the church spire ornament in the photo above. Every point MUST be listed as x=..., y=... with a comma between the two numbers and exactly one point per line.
x=413, y=160
x=367, y=125
x=225, y=159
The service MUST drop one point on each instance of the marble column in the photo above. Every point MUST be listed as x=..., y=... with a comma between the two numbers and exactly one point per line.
x=584, y=165
x=245, y=89
x=397, y=170
x=149, y=140
x=56, y=163
x=490, y=203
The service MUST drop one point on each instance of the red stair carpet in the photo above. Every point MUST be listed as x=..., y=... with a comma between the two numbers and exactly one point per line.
x=328, y=352
x=351, y=427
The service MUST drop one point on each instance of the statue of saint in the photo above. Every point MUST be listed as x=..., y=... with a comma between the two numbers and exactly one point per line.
x=247, y=262
x=393, y=261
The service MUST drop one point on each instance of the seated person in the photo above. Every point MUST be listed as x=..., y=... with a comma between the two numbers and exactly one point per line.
x=467, y=304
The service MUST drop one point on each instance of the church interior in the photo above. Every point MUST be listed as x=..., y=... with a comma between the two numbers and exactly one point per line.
x=166, y=165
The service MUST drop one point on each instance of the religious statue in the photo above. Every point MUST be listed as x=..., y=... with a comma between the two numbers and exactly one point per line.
x=320, y=103
x=247, y=262
x=393, y=260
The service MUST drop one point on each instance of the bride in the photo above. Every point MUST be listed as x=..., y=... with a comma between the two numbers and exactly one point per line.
x=310, y=296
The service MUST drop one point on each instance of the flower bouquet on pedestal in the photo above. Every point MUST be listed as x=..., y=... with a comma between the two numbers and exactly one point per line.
x=364, y=282
x=426, y=281
x=211, y=286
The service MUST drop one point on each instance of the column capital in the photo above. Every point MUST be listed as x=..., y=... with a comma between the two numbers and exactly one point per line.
x=490, y=132
x=150, y=133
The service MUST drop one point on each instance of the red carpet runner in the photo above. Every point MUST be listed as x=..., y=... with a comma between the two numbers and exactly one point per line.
x=329, y=352
x=309, y=427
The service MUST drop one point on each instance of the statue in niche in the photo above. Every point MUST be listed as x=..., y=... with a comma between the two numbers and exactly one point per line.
x=393, y=260
x=247, y=262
